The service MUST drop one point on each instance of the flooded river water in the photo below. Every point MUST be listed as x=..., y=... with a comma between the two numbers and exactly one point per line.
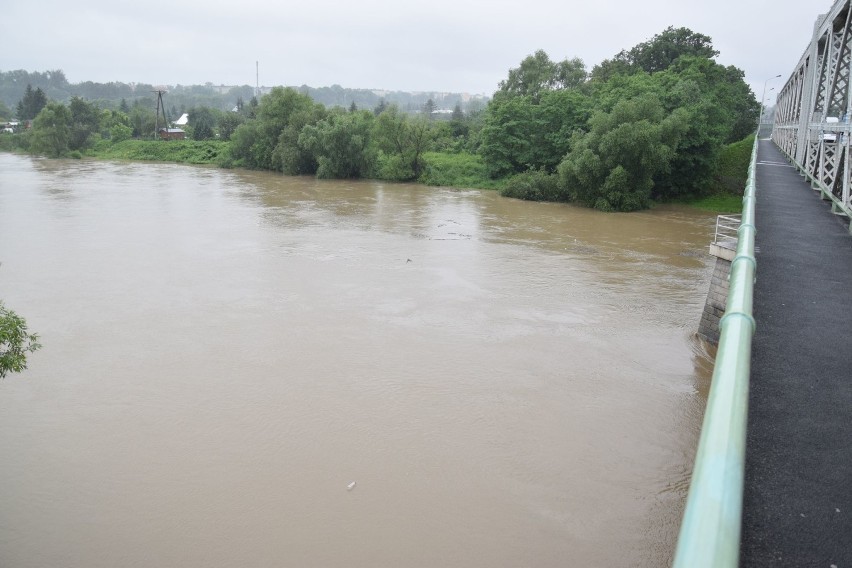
x=226, y=353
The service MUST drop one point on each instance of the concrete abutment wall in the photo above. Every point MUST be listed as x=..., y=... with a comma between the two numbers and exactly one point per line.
x=717, y=296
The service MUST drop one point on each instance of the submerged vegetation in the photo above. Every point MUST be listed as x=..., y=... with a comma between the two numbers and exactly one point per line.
x=660, y=122
x=15, y=342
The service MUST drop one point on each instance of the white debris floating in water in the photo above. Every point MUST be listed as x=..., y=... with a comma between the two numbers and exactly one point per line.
x=351, y=486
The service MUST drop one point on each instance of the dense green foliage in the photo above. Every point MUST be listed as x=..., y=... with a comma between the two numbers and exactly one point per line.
x=292, y=134
x=647, y=125
x=657, y=54
x=52, y=131
x=538, y=74
x=401, y=142
x=613, y=166
x=341, y=144
x=534, y=185
x=269, y=140
x=732, y=172
x=523, y=131
x=85, y=124
x=15, y=342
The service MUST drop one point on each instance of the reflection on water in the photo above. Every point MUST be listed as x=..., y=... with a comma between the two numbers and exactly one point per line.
x=509, y=383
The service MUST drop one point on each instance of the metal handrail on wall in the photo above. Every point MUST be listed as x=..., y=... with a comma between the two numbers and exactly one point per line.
x=710, y=531
x=726, y=229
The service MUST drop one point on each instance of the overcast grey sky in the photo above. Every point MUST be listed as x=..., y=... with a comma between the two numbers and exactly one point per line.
x=428, y=45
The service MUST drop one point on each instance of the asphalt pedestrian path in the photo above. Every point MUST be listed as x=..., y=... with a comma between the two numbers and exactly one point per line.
x=798, y=477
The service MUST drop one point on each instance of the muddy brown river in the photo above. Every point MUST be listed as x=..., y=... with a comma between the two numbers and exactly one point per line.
x=246, y=369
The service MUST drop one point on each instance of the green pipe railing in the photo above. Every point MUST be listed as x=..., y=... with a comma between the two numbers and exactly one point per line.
x=710, y=531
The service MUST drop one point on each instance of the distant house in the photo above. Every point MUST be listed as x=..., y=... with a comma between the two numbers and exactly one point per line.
x=172, y=134
x=182, y=121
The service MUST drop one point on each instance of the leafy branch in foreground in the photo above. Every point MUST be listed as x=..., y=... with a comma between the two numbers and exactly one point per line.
x=15, y=342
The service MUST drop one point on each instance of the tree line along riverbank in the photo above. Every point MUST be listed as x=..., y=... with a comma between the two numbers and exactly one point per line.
x=660, y=122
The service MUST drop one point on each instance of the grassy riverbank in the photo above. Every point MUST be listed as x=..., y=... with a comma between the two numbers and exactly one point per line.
x=720, y=203
x=180, y=151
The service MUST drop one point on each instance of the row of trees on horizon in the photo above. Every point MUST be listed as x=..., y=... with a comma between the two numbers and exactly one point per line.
x=56, y=87
x=648, y=124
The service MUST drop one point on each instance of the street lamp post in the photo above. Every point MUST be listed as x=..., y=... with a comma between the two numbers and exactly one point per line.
x=763, y=103
x=763, y=98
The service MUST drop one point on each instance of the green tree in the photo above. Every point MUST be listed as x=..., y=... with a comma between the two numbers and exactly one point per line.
x=380, y=108
x=719, y=108
x=557, y=116
x=142, y=121
x=532, y=117
x=538, y=73
x=521, y=132
x=401, y=142
x=15, y=342
x=250, y=147
x=203, y=123
x=658, y=53
x=534, y=185
x=31, y=104
x=290, y=157
x=5, y=112
x=661, y=51
x=507, y=135
x=458, y=124
x=341, y=144
x=51, y=131
x=429, y=108
x=85, y=123
x=254, y=143
x=111, y=119
x=228, y=123
x=120, y=132
x=613, y=166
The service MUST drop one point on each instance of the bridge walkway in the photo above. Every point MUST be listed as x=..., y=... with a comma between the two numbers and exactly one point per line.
x=797, y=507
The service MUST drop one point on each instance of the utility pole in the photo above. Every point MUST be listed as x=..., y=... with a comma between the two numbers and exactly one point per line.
x=257, y=80
x=161, y=108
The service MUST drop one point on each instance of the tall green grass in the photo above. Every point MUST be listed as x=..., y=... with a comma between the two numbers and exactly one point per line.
x=461, y=170
x=180, y=151
x=719, y=203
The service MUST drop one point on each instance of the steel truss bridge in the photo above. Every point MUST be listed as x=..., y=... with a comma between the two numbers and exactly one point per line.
x=814, y=109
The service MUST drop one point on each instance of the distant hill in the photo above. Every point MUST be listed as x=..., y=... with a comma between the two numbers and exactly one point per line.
x=224, y=97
